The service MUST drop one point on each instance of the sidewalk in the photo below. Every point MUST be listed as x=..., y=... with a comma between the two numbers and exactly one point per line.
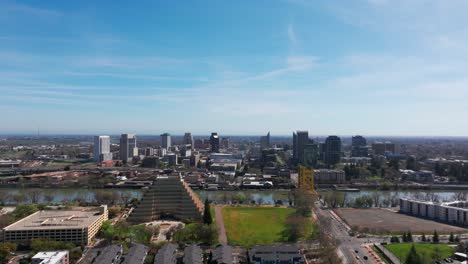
x=220, y=224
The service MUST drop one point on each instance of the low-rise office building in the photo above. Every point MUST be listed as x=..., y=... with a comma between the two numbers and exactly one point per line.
x=417, y=176
x=329, y=176
x=74, y=226
x=223, y=167
x=455, y=212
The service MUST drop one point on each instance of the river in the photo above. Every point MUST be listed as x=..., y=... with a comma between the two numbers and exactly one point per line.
x=59, y=195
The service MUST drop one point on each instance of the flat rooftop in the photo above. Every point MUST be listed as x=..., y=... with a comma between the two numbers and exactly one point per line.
x=56, y=219
x=50, y=256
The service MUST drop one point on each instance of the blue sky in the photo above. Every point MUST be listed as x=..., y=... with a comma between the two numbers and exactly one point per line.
x=372, y=67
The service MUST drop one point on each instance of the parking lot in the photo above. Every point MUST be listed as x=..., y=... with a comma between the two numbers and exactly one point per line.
x=381, y=221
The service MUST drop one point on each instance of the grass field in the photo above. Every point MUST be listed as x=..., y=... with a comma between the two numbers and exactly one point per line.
x=401, y=250
x=247, y=226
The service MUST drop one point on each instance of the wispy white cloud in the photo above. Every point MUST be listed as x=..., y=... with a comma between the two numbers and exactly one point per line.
x=9, y=7
x=292, y=35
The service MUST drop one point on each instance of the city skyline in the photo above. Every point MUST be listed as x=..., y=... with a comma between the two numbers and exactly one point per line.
x=376, y=67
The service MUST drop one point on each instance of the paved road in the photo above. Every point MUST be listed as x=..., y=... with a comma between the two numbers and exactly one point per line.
x=350, y=249
x=220, y=224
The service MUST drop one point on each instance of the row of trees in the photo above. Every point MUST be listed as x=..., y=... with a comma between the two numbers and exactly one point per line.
x=407, y=237
x=40, y=196
x=340, y=199
x=457, y=170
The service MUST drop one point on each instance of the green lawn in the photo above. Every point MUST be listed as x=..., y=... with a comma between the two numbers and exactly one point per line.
x=401, y=250
x=247, y=226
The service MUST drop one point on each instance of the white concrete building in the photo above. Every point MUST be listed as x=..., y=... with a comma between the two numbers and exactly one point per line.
x=455, y=212
x=102, y=148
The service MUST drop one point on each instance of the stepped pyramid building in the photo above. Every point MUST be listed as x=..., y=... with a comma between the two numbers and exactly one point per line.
x=168, y=197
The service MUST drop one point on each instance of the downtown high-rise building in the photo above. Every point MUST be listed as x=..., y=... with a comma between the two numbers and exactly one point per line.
x=225, y=142
x=214, y=142
x=102, y=148
x=265, y=141
x=359, y=147
x=128, y=147
x=166, y=140
x=332, y=150
x=188, y=139
x=300, y=140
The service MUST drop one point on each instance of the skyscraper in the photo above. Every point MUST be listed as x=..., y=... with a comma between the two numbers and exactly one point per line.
x=332, y=150
x=265, y=141
x=214, y=142
x=225, y=142
x=188, y=139
x=359, y=147
x=311, y=155
x=300, y=139
x=166, y=140
x=102, y=148
x=128, y=147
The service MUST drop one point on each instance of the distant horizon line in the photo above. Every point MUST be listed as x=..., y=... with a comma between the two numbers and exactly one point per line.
x=227, y=135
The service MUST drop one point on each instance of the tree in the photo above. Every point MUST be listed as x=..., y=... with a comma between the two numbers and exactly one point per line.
x=435, y=237
x=409, y=237
x=5, y=250
x=296, y=227
x=394, y=239
x=48, y=197
x=394, y=163
x=197, y=233
x=106, y=197
x=304, y=201
x=3, y=197
x=451, y=237
x=413, y=256
x=43, y=244
x=19, y=197
x=207, y=218
x=34, y=195
x=23, y=210
x=328, y=247
x=411, y=164
x=436, y=254
x=403, y=238
x=423, y=238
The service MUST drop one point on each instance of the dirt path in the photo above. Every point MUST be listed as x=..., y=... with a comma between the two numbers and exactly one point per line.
x=220, y=223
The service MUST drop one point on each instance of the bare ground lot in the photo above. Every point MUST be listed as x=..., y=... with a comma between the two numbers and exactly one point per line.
x=382, y=221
